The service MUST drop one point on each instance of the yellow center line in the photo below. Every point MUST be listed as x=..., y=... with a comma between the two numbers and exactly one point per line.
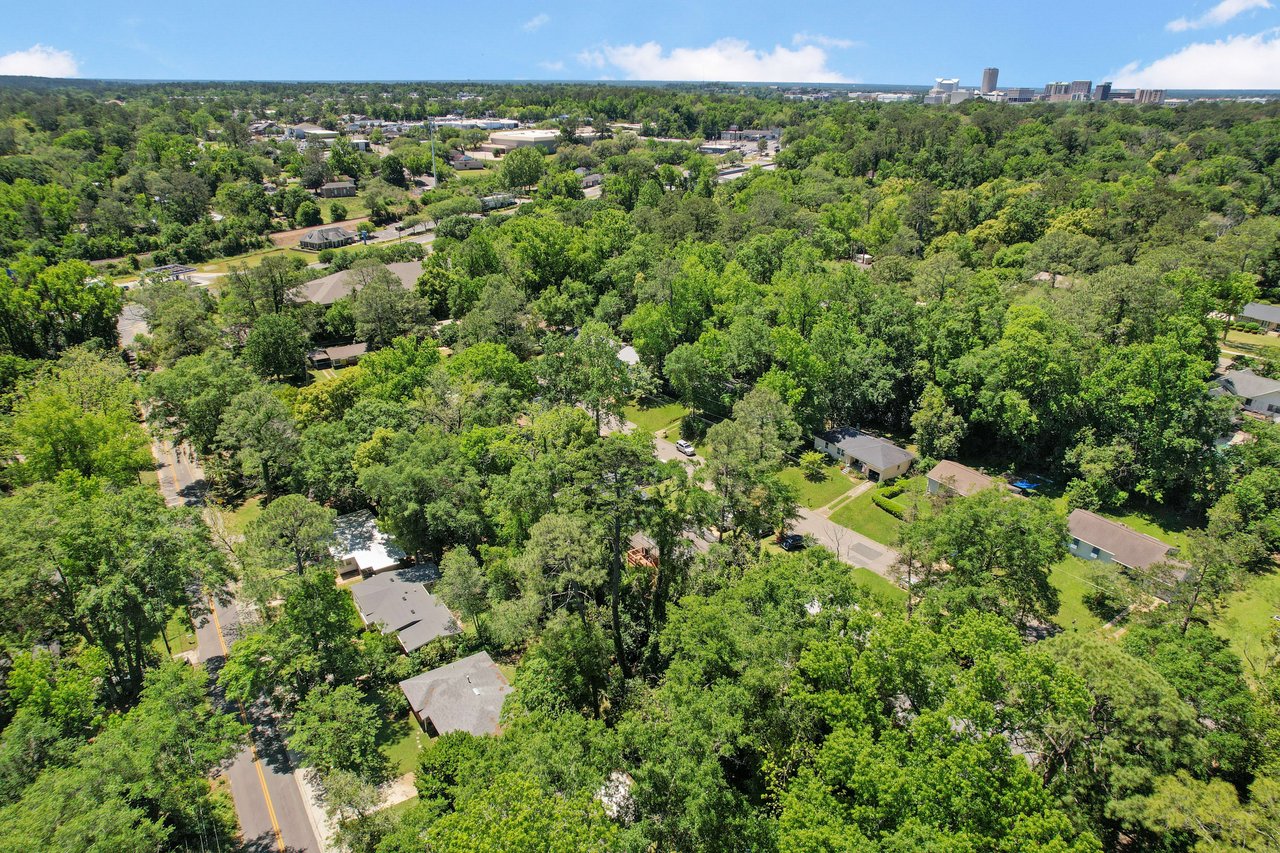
x=257, y=765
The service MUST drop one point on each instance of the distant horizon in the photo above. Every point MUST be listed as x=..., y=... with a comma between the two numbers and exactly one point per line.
x=1182, y=45
x=756, y=84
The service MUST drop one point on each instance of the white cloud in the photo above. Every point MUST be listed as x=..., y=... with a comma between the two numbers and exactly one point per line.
x=822, y=41
x=536, y=23
x=728, y=59
x=1218, y=15
x=40, y=61
x=551, y=65
x=1238, y=62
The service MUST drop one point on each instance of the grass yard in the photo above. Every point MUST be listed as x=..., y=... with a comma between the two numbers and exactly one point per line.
x=1071, y=579
x=179, y=633
x=653, y=418
x=1167, y=527
x=878, y=585
x=238, y=520
x=862, y=515
x=252, y=259
x=401, y=807
x=1246, y=620
x=813, y=495
x=402, y=741
x=1252, y=344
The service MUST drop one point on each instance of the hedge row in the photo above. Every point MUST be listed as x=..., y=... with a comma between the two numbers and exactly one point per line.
x=890, y=506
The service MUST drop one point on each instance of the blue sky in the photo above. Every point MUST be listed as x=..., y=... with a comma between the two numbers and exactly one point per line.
x=1169, y=43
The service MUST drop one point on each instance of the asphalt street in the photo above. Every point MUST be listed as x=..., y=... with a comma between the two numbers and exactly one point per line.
x=263, y=786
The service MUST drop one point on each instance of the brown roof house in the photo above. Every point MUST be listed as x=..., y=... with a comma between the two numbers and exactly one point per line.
x=953, y=478
x=464, y=696
x=1096, y=538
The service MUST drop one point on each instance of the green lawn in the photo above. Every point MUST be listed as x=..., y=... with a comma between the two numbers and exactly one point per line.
x=863, y=516
x=814, y=495
x=401, y=807
x=1252, y=344
x=179, y=633
x=879, y=585
x=1071, y=579
x=402, y=741
x=1247, y=620
x=1165, y=526
x=238, y=520
x=654, y=418
x=252, y=259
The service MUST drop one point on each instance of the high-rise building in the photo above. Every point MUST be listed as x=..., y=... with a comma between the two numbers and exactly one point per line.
x=1103, y=92
x=1057, y=88
x=1149, y=96
x=945, y=85
x=1081, y=88
x=990, y=77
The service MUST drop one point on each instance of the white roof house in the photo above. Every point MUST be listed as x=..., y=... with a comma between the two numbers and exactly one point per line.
x=362, y=547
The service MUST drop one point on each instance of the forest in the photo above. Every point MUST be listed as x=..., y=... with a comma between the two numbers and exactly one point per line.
x=1045, y=291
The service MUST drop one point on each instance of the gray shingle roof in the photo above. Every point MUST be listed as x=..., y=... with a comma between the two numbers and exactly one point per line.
x=872, y=451
x=328, y=234
x=331, y=288
x=400, y=602
x=1258, y=311
x=961, y=479
x=1246, y=383
x=1127, y=546
x=464, y=696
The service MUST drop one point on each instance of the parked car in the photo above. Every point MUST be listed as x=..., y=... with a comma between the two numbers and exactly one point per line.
x=793, y=542
x=685, y=447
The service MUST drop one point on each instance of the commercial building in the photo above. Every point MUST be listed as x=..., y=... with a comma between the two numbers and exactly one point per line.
x=990, y=79
x=509, y=140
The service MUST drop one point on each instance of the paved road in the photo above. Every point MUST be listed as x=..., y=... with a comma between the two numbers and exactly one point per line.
x=267, y=798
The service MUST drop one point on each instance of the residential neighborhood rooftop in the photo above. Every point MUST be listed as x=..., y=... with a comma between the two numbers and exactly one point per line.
x=1261, y=311
x=960, y=479
x=878, y=452
x=341, y=284
x=399, y=602
x=464, y=696
x=1129, y=547
x=362, y=545
x=1246, y=383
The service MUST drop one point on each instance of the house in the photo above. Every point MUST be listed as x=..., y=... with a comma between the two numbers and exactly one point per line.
x=337, y=189
x=954, y=478
x=628, y=356
x=594, y=179
x=1096, y=538
x=462, y=161
x=329, y=237
x=339, y=285
x=347, y=354
x=1266, y=316
x=362, y=547
x=876, y=458
x=319, y=359
x=1256, y=393
x=399, y=602
x=464, y=696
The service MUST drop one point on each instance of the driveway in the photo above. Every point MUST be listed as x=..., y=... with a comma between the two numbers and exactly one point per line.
x=850, y=546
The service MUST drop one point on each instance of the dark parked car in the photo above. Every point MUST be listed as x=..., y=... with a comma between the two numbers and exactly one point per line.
x=793, y=542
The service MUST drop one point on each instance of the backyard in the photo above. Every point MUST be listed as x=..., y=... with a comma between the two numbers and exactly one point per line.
x=1248, y=619
x=1071, y=579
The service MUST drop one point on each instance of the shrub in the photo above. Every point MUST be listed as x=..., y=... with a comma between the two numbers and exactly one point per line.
x=1106, y=598
x=890, y=506
x=337, y=212
x=814, y=466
